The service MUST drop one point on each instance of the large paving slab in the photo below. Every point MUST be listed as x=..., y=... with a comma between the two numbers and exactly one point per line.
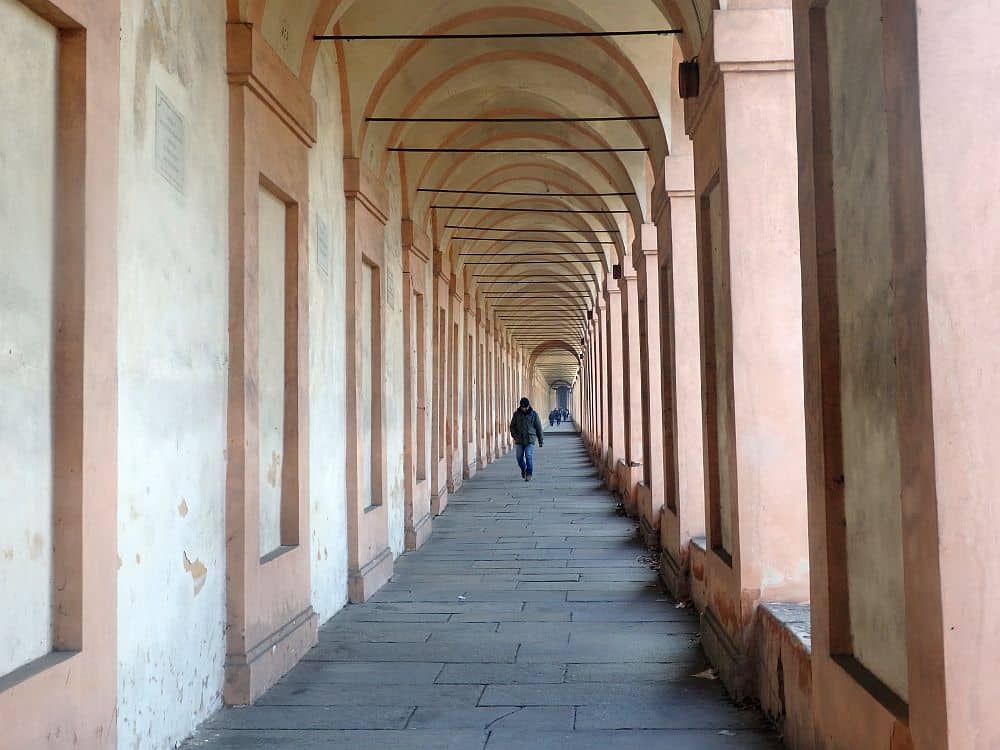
x=531, y=620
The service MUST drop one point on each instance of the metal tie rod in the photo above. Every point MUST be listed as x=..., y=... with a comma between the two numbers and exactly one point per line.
x=528, y=195
x=615, y=118
x=510, y=35
x=536, y=242
x=447, y=150
x=537, y=210
x=538, y=231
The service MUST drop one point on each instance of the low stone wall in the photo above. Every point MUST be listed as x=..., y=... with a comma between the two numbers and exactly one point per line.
x=779, y=658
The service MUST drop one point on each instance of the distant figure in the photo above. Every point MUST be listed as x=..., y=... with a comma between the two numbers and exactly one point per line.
x=526, y=428
x=553, y=417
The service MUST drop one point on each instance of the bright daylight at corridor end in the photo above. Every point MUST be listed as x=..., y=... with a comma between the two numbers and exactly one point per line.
x=488, y=375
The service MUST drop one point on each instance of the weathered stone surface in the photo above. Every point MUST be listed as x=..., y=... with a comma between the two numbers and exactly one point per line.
x=485, y=638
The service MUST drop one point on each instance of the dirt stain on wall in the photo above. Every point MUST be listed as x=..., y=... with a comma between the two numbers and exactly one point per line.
x=272, y=473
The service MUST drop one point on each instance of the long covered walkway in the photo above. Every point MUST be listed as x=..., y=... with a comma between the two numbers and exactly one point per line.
x=276, y=274
x=531, y=619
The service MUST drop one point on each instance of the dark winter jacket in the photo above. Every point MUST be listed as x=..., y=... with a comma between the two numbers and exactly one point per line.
x=526, y=428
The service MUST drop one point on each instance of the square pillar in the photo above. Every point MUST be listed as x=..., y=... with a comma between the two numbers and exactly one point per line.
x=369, y=559
x=899, y=282
x=270, y=620
x=470, y=400
x=629, y=467
x=614, y=366
x=439, y=460
x=651, y=489
x=70, y=691
x=416, y=398
x=683, y=457
x=456, y=387
x=751, y=323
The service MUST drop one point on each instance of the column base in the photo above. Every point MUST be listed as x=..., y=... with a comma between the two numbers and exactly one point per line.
x=732, y=664
x=250, y=674
x=674, y=577
x=650, y=534
x=419, y=533
x=363, y=582
x=439, y=502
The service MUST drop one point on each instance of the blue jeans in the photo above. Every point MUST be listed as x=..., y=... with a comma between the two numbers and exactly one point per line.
x=525, y=456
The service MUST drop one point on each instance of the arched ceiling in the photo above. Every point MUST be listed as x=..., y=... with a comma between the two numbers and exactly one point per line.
x=533, y=233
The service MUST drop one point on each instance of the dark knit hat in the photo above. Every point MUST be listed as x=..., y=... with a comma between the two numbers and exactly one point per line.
x=525, y=402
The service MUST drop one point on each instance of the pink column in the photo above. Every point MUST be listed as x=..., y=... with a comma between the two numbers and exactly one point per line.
x=650, y=492
x=933, y=134
x=683, y=445
x=751, y=313
x=630, y=465
x=600, y=341
x=616, y=387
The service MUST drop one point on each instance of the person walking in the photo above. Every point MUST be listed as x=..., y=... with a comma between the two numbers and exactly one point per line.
x=526, y=428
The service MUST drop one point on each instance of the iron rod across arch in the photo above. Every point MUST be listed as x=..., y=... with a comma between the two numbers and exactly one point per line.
x=511, y=35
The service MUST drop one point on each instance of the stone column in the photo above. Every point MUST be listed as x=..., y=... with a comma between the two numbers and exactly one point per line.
x=898, y=250
x=601, y=377
x=683, y=458
x=630, y=464
x=751, y=325
x=613, y=363
x=439, y=464
x=650, y=492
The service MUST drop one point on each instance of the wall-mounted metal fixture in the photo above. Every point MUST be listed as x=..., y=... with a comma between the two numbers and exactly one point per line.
x=688, y=79
x=616, y=271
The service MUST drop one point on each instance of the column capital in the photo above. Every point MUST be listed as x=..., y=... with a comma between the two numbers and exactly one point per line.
x=646, y=241
x=740, y=41
x=746, y=39
x=628, y=271
x=678, y=176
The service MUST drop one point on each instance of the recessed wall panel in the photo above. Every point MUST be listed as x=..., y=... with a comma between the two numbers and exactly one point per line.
x=28, y=136
x=859, y=139
x=271, y=364
x=366, y=395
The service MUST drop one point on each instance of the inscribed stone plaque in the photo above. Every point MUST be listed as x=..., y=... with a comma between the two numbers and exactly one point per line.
x=322, y=245
x=170, y=142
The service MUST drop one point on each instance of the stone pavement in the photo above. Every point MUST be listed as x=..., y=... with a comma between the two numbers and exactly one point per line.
x=531, y=619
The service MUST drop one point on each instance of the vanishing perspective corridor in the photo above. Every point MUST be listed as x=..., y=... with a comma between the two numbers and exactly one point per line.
x=285, y=286
x=532, y=619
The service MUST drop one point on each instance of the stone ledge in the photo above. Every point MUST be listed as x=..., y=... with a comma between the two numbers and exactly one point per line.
x=781, y=653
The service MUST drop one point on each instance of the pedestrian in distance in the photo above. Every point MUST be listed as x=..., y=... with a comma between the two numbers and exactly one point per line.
x=526, y=429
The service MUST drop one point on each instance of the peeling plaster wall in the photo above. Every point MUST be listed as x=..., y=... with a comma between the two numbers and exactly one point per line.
x=394, y=366
x=867, y=336
x=271, y=216
x=173, y=260
x=327, y=343
x=27, y=256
